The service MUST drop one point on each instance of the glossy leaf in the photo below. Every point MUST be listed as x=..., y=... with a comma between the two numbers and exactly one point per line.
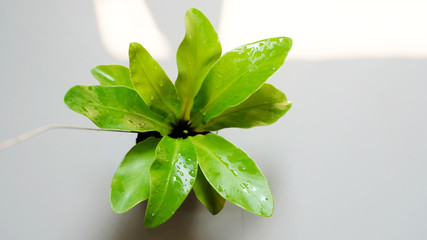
x=233, y=174
x=131, y=182
x=152, y=83
x=172, y=176
x=238, y=74
x=115, y=108
x=112, y=75
x=196, y=54
x=211, y=93
x=263, y=107
x=207, y=195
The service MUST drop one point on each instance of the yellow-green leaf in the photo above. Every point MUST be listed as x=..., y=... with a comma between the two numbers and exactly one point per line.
x=115, y=107
x=196, y=54
x=131, y=182
x=233, y=174
x=207, y=195
x=262, y=108
x=112, y=75
x=236, y=75
x=152, y=83
x=172, y=176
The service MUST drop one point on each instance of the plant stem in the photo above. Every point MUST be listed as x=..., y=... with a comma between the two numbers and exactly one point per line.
x=21, y=138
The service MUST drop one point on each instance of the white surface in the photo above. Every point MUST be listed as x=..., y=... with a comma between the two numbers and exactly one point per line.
x=330, y=29
x=123, y=21
x=347, y=162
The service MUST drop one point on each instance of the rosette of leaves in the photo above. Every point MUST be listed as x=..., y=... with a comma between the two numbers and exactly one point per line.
x=177, y=152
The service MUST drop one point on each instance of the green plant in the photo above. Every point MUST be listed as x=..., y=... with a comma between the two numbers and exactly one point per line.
x=177, y=151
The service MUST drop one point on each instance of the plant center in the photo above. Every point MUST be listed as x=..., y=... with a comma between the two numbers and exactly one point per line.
x=181, y=130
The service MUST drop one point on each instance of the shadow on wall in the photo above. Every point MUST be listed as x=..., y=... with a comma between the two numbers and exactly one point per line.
x=179, y=226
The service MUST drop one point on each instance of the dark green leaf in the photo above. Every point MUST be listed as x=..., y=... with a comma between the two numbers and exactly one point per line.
x=115, y=107
x=207, y=194
x=196, y=54
x=238, y=74
x=172, y=176
x=233, y=174
x=263, y=107
x=131, y=183
x=152, y=83
x=112, y=75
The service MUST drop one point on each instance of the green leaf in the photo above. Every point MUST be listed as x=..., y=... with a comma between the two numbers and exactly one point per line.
x=131, y=182
x=172, y=176
x=207, y=195
x=152, y=83
x=115, y=107
x=233, y=174
x=263, y=107
x=238, y=74
x=196, y=54
x=112, y=75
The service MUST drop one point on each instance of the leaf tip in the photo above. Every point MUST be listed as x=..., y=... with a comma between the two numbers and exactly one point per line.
x=114, y=206
x=149, y=222
x=133, y=46
x=287, y=41
x=94, y=70
x=193, y=11
x=118, y=211
x=69, y=95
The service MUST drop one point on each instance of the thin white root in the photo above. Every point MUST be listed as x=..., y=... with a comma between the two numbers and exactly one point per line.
x=21, y=138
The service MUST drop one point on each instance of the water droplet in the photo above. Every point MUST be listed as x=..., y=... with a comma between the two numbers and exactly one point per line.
x=175, y=102
x=192, y=181
x=180, y=173
x=263, y=198
x=130, y=121
x=161, y=83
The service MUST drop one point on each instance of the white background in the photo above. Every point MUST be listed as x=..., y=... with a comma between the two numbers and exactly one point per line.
x=348, y=161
